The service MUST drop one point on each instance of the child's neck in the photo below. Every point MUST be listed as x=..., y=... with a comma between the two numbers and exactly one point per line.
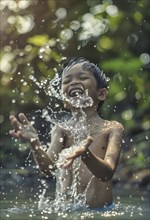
x=90, y=114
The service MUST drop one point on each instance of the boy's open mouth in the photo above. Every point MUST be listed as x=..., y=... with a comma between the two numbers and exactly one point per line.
x=76, y=91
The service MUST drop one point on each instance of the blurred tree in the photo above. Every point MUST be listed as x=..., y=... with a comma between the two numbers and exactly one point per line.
x=37, y=35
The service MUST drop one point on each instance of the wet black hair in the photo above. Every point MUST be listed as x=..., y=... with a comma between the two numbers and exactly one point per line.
x=99, y=75
x=89, y=66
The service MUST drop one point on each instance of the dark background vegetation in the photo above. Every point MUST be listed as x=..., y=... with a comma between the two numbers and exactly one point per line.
x=37, y=35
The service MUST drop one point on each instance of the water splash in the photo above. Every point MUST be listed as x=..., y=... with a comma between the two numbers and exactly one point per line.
x=79, y=101
x=50, y=86
x=66, y=196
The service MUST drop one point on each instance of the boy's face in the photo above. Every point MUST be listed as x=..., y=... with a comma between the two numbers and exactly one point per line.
x=76, y=81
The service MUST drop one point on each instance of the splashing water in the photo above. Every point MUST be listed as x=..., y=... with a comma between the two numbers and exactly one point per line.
x=66, y=198
x=80, y=101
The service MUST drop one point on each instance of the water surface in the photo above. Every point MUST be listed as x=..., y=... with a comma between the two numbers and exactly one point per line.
x=21, y=203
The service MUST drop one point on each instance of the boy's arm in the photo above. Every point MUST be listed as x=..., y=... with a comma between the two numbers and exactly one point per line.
x=46, y=159
x=45, y=164
x=101, y=168
x=25, y=131
x=105, y=168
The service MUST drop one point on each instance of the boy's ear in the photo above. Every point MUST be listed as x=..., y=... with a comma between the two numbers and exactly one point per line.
x=102, y=94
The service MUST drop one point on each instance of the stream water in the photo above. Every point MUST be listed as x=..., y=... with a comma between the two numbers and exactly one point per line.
x=22, y=204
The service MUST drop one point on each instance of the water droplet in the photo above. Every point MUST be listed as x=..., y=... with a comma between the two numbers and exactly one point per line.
x=37, y=91
x=13, y=101
x=32, y=139
x=25, y=83
x=50, y=167
x=145, y=58
x=61, y=140
x=123, y=141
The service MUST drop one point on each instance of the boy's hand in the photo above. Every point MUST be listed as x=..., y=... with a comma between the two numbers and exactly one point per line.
x=22, y=128
x=78, y=152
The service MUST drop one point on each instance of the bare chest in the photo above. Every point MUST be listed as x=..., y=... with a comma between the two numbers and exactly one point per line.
x=100, y=140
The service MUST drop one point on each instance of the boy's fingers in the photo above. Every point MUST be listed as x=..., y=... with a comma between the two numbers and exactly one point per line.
x=11, y=117
x=14, y=134
x=78, y=152
x=15, y=123
x=67, y=163
x=72, y=156
x=23, y=119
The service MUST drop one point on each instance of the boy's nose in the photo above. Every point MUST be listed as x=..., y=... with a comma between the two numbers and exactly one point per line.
x=74, y=83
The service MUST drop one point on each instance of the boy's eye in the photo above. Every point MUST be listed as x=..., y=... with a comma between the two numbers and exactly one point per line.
x=66, y=81
x=84, y=77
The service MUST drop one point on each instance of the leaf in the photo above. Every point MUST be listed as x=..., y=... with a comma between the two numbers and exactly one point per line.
x=122, y=65
x=38, y=40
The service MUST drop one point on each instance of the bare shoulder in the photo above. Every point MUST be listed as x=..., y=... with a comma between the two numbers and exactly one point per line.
x=114, y=126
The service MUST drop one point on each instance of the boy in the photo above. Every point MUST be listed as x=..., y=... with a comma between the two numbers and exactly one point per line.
x=99, y=152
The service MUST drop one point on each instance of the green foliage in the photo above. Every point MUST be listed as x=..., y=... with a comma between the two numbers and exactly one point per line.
x=126, y=65
x=138, y=158
x=38, y=40
x=38, y=35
